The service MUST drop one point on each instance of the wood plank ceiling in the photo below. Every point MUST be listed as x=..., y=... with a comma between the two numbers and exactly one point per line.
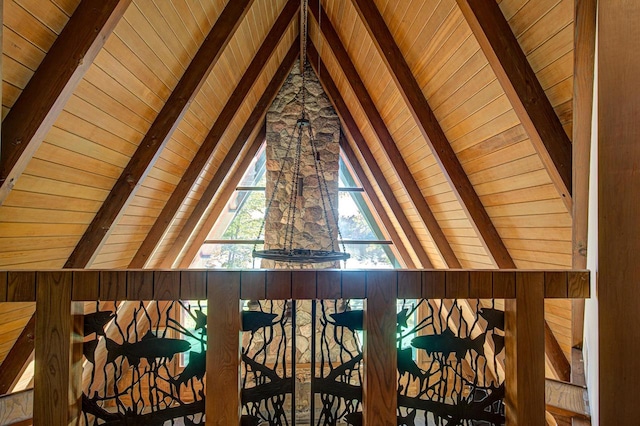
x=482, y=165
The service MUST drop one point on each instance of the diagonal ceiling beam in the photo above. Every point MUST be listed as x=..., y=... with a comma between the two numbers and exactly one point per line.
x=557, y=359
x=14, y=363
x=53, y=83
x=523, y=89
x=214, y=136
x=432, y=133
x=222, y=200
x=384, y=136
x=375, y=201
x=349, y=124
x=159, y=133
x=254, y=120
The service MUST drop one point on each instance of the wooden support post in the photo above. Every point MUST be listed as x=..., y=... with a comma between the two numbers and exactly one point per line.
x=524, y=365
x=380, y=394
x=618, y=210
x=53, y=343
x=223, y=356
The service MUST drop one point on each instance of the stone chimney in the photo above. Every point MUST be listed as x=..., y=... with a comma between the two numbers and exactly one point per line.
x=311, y=230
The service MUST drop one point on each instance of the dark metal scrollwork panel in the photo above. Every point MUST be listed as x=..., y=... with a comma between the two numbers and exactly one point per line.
x=267, y=372
x=144, y=363
x=337, y=365
x=450, y=363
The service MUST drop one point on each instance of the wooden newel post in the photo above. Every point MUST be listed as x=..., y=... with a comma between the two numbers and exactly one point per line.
x=524, y=364
x=53, y=346
x=223, y=349
x=380, y=397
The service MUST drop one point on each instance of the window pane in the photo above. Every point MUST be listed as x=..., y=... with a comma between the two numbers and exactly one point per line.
x=353, y=224
x=241, y=218
x=226, y=256
x=369, y=256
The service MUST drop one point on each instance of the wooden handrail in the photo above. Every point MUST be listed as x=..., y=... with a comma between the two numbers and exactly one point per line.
x=107, y=285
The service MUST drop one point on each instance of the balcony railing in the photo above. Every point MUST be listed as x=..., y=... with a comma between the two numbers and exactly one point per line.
x=375, y=394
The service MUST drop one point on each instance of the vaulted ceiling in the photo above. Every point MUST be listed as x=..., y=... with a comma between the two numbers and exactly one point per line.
x=126, y=125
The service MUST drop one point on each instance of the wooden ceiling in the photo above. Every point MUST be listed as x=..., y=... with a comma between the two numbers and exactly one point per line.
x=459, y=113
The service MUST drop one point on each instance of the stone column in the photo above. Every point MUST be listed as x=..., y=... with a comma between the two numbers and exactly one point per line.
x=311, y=229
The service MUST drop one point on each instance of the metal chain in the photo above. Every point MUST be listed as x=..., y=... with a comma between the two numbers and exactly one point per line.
x=293, y=197
x=275, y=187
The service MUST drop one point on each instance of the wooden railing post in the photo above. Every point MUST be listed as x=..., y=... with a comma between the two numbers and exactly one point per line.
x=223, y=348
x=53, y=349
x=380, y=397
x=524, y=362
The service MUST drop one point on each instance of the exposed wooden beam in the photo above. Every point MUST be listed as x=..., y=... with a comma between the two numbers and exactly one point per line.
x=557, y=359
x=377, y=204
x=222, y=200
x=566, y=399
x=218, y=129
x=584, y=46
x=159, y=133
x=349, y=124
x=14, y=363
x=53, y=83
x=252, y=123
x=384, y=136
x=433, y=133
x=523, y=89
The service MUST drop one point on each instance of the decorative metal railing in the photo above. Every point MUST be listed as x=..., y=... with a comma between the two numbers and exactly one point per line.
x=450, y=359
x=290, y=347
x=143, y=365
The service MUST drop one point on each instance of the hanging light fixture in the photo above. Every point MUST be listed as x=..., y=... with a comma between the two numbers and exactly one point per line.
x=302, y=134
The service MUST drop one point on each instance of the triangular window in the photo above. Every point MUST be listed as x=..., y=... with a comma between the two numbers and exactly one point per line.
x=235, y=233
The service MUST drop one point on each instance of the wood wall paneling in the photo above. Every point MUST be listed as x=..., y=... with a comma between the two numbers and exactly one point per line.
x=214, y=136
x=159, y=133
x=432, y=132
x=53, y=84
x=221, y=173
x=350, y=125
x=523, y=89
x=384, y=136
